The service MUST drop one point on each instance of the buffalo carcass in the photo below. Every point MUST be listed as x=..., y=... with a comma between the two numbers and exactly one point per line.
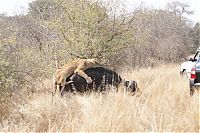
x=101, y=77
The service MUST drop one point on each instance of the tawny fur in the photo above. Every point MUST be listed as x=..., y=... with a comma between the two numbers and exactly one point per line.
x=77, y=66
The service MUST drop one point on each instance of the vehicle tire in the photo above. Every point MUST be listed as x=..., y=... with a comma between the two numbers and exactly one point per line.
x=191, y=91
x=182, y=73
x=191, y=88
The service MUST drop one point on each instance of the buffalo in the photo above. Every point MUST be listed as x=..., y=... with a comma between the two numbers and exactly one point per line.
x=102, y=78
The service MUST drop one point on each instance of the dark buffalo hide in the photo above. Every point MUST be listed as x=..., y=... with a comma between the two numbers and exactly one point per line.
x=101, y=77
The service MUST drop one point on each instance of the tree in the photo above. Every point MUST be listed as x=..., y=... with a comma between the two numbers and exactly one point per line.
x=195, y=35
x=85, y=28
x=179, y=9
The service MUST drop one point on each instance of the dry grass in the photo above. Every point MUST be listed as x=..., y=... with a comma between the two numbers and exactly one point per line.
x=164, y=105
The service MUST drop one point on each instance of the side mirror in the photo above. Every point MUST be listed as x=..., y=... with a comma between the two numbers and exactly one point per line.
x=191, y=59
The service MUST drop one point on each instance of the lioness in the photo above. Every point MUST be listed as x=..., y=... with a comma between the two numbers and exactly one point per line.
x=78, y=67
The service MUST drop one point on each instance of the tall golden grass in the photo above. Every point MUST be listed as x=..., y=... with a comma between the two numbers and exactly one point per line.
x=164, y=105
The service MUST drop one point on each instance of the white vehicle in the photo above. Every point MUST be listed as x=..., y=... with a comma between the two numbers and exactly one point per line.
x=186, y=67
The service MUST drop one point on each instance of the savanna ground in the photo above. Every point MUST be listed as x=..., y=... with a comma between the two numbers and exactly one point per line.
x=164, y=105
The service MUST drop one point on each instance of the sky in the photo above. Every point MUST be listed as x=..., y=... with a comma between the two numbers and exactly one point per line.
x=13, y=7
x=161, y=4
